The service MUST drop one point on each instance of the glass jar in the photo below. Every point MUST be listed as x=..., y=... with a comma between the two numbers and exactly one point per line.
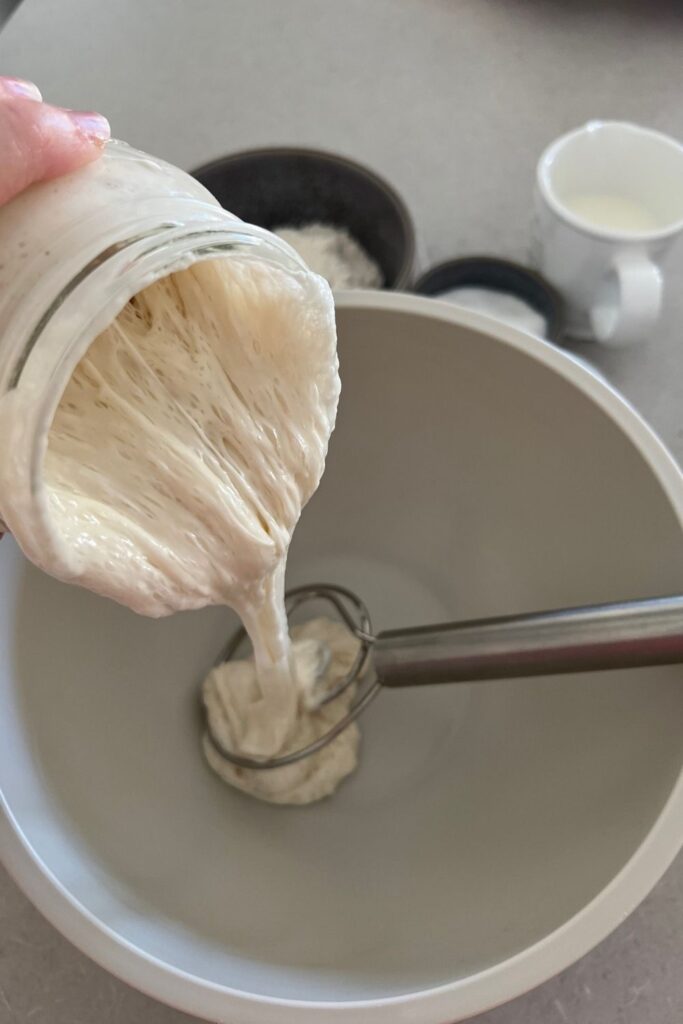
x=73, y=251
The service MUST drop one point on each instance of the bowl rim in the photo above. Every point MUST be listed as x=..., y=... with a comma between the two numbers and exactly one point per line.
x=463, y=997
x=405, y=273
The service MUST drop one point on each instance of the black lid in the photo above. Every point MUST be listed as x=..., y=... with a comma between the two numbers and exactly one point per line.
x=499, y=276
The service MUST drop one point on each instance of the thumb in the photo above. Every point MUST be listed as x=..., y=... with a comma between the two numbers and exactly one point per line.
x=38, y=141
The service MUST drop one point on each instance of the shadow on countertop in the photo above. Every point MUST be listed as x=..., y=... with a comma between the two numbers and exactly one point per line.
x=7, y=8
x=642, y=10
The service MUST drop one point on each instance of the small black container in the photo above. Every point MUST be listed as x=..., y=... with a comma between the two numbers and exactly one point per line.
x=276, y=188
x=498, y=276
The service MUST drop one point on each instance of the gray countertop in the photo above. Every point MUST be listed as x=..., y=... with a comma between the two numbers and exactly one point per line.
x=452, y=100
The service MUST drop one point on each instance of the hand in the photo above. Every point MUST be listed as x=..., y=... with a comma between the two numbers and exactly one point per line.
x=38, y=141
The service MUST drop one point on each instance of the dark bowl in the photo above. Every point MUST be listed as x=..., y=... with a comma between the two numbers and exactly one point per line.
x=290, y=187
x=498, y=275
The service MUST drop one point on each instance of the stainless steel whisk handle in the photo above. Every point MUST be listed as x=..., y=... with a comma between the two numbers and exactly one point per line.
x=627, y=634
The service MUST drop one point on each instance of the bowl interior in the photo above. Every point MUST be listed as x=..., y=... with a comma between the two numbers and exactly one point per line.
x=464, y=479
x=291, y=187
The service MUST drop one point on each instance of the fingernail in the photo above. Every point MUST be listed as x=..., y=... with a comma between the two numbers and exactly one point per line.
x=19, y=87
x=93, y=125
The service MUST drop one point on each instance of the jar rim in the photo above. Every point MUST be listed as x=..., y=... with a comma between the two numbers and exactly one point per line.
x=108, y=281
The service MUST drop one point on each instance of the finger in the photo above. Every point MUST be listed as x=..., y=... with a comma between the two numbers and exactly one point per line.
x=13, y=87
x=38, y=141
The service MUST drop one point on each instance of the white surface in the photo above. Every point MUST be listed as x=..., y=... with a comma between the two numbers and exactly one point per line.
x=607, y=210
x=453, y=102
x=500, y=305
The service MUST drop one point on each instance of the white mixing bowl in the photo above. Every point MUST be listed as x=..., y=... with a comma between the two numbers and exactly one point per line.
x=493, y=833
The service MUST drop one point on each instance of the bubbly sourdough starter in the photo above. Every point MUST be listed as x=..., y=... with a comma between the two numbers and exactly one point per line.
x=233, y=687
x=182, y=451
